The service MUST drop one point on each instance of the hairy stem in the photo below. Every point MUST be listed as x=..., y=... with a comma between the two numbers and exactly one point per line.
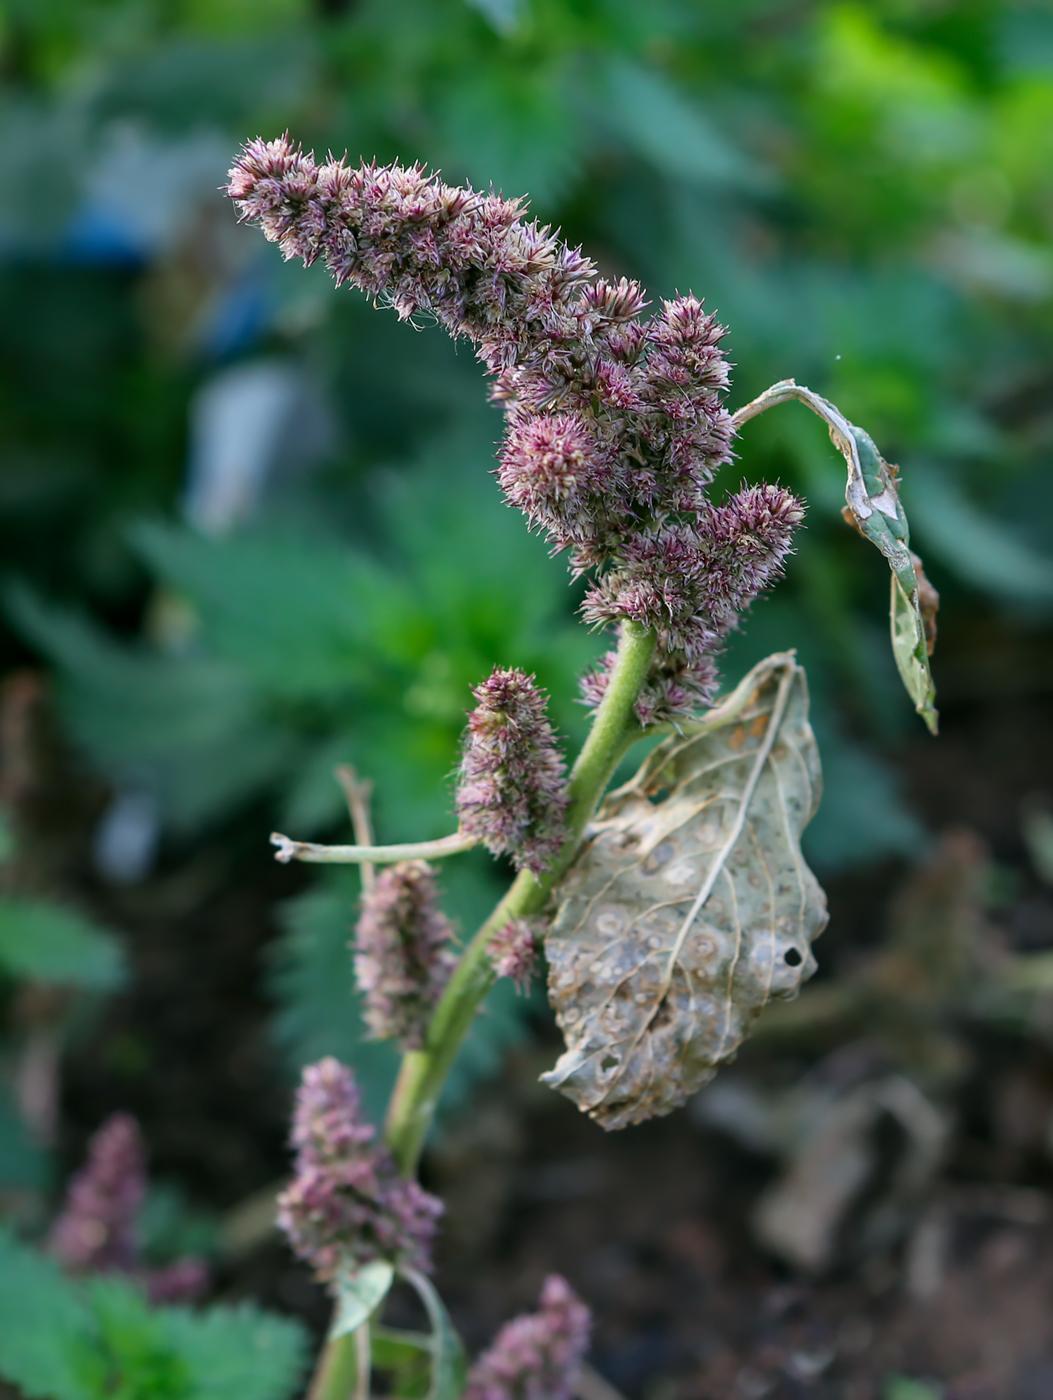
x=424, y=1071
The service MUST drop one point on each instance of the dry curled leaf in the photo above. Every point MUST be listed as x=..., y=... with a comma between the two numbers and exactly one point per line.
x=684, y=913
x=874, y=509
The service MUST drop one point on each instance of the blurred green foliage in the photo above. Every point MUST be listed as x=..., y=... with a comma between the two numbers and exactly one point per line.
x=62, y=1340
x=864, y=192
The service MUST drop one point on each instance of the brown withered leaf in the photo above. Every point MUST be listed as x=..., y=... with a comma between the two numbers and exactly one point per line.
x=684, y=913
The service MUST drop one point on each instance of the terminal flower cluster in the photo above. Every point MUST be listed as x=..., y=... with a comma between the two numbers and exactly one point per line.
x=536, y=1356
x=347, y=1203
x=403, y=957
x=512, y=790
x=615, y=424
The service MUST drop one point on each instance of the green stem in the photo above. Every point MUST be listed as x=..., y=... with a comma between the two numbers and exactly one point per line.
x=424, y=1072
x=337, y=1373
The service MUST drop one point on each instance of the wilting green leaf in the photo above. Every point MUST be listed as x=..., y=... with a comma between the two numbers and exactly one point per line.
x=448, y=1364
x=685, y=913
x=359, y=1292
x=874, y=509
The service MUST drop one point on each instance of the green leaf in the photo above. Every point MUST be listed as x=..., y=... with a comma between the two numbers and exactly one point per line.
x=237, y=1353
x=449, y=1366
x=982, y=550
x=45, y=1326
x=101, y=1340
x=406, y=1357
x=669, y=130
x=359, y=1292
x=48, y=943
x=190, y=728
x=298, y=618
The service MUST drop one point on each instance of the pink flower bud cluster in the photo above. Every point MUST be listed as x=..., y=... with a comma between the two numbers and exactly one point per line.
x=615, y=425
x=403, y=957
x=95, y=1232
x=513, y=953
x=347, y=1204
x=512, y=790
x=537, y=1356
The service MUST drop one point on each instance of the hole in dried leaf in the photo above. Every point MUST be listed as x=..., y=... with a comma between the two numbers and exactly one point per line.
x=657, y=797
x=663, y=1015
x=793, y=957
x=609, y=1062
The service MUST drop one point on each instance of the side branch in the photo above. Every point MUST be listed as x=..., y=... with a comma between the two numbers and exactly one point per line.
x=308, y=851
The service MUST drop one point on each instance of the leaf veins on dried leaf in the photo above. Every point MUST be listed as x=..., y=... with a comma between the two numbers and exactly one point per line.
x=690, y=904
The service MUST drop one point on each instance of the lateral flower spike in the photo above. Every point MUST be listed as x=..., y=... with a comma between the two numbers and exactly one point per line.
x=403, y=957
x=347, y=1203
x=512, y=793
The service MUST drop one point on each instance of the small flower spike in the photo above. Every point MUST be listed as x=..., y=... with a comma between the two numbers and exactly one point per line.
x=95, y=1232
x=537, y=1356
x=403, y=958
x=347, y=1203
x=512, y=792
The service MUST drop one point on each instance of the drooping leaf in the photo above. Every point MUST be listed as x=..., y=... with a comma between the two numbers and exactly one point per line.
x=48, y=943
x=874, y=509
x=359, y=1292
x=449, y=1367
x=685, y=913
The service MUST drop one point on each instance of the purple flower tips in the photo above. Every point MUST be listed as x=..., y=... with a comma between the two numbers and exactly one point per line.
x=537, y=1356
x=402, y=955
x=615, y=424
x=347, y=1204
x=513, y=952
x=512, y=794
x=95, y=1233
